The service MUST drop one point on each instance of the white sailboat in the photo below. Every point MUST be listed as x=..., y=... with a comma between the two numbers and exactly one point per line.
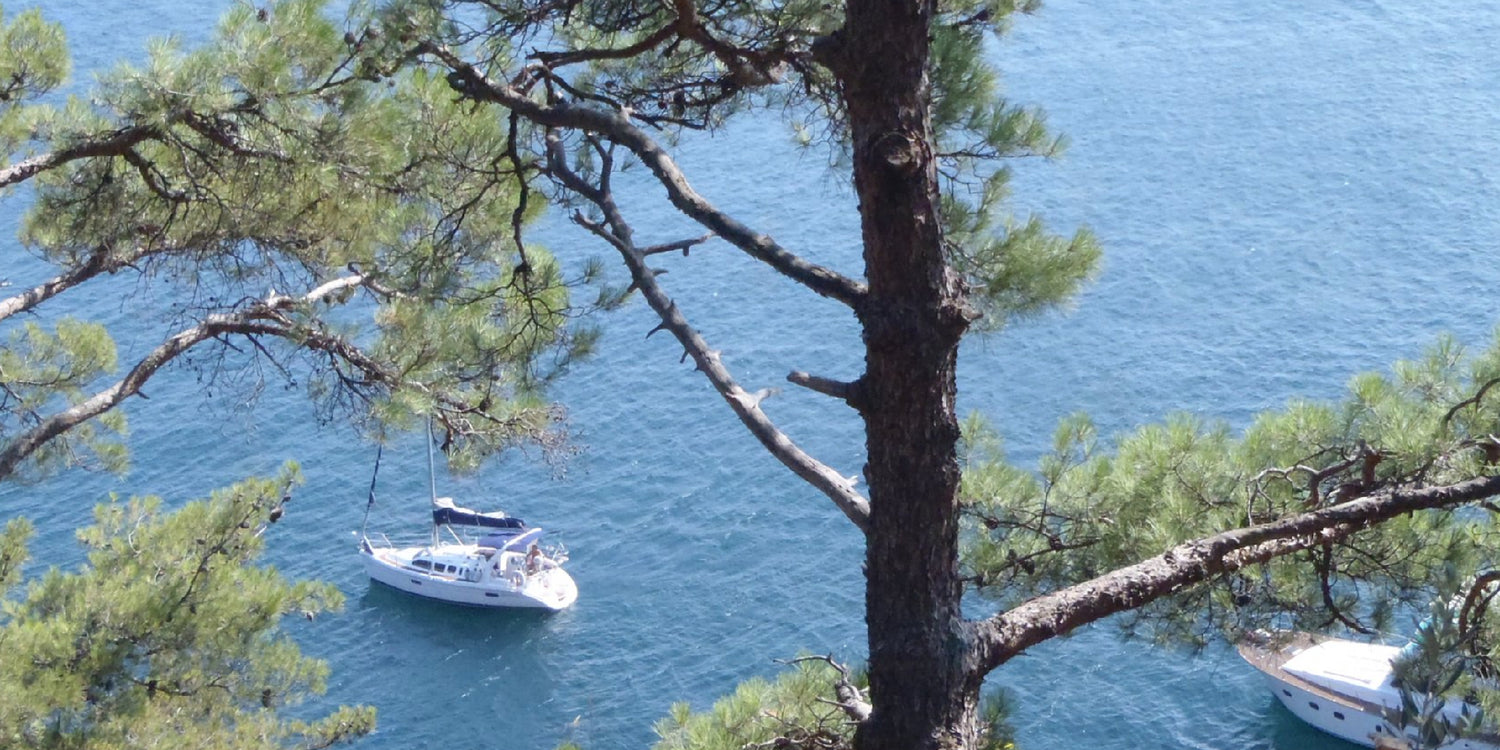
x=1341, y=687
x=506, y=564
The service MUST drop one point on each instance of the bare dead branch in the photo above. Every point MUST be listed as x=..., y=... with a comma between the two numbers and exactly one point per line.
x=851, y=700
x=826, y=386
x=745, y=405
x=616, y=126
x=683, y=245
x=600, y=231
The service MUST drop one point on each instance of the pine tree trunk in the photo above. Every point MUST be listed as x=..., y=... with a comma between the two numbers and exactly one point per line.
x=923, y=687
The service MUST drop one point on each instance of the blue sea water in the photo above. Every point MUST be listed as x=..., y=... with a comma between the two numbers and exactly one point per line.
x=1288, y=193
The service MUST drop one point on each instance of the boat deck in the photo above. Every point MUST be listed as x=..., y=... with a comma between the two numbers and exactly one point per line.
x=1271, y=654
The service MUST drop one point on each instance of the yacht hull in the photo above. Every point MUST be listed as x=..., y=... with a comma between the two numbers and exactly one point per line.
x=1356, y=719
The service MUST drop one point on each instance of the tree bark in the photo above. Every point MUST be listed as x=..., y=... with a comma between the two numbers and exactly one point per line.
x=114, y=144
x=923, y=685
x=1008, y=633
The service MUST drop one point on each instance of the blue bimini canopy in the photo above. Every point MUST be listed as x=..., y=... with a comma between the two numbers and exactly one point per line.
x=511, y=540
x=445, y=512
x=522, y=541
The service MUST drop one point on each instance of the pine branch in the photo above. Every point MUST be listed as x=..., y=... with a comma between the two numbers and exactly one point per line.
x=99, y=261
x=252, y=320
x=851, y=699
x=999, y=638
x=745, y=405
x=827, y=386
x=651, y=41
x=616, y=126
x=115, y=144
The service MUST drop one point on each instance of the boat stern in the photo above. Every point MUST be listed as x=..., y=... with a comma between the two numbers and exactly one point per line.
x=553, y=589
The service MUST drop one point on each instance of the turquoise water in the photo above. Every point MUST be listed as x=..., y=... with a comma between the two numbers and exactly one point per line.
x=1287, y=192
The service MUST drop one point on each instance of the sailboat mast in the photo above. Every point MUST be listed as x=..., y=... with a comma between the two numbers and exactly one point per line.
x=371, y=502
x=431, y=469
x=432, y=479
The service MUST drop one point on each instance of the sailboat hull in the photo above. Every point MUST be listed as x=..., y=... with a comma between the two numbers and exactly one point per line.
x=479, y=584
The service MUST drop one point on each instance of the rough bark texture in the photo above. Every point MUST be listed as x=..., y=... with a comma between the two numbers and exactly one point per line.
x=922, y=683
x=1009, y=633
x=114, y=144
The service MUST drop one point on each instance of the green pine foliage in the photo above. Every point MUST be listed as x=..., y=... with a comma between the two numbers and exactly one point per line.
x=1015, y=268
x=33, y=62
x=288, y=152
x=797, y=710
x=13, y=553
x=1089, y=509
x=169, y=636
x=42, y=369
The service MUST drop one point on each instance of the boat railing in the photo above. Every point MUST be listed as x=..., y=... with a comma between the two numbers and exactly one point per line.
x=384, y=542
x=370, y=543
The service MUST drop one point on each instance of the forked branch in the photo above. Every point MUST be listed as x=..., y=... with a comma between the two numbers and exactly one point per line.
x=617, y=128
x=618, y=233
x=849, y=698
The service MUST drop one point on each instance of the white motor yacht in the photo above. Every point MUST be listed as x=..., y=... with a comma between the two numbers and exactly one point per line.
x=1341, y=687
